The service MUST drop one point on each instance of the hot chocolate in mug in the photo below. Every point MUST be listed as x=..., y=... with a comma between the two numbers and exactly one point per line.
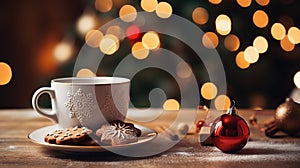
x=86, y=102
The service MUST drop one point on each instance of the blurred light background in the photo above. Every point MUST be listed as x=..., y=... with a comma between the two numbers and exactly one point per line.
x=257, y=40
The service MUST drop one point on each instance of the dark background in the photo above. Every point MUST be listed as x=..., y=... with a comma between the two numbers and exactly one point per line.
x=30, y=30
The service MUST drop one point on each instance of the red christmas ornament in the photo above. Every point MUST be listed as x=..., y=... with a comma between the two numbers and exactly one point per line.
x=230, y=132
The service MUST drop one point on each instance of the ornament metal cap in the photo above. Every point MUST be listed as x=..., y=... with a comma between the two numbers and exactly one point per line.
x=232, y=110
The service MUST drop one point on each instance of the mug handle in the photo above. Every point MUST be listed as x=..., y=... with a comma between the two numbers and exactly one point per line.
x=35, y=104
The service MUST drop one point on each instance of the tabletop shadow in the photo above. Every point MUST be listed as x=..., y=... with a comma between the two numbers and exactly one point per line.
x=259, y=151
x=283, y=135
x=90, y=156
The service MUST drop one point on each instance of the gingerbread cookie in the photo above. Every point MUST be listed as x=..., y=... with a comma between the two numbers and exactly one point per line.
x=117, y=133
x=72, y=136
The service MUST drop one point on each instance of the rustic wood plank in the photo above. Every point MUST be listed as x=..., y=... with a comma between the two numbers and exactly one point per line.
x=17, y=151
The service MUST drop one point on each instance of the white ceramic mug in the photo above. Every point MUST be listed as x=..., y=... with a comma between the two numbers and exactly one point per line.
x=85, y=101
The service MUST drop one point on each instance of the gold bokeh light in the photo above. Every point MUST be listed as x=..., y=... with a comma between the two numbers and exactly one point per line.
x=216, y=2
x=103, y=5
x=183, y=70
x=164, y=10
x=286, y=45
x=63, y=51
x=85, y=72
x=251, y=54
x=93, y=38
x=127, y=13
x=139, y=51
x=240, y=60
x=200, y=15
x=209, y=91
x=151, y=40
x=117, y=31
x=171, y=104
x=149, y=5
x=232, y=42
x=109, y=44
x=261, y=44
x=210, y=40
x=222, y=102
x=263, y=2
x=244, y=3
x=278, y=31
x=294, y=35
x=5, y=73
x=85, y=23
x=223, y=24
x=260, y=19
x=297, y=79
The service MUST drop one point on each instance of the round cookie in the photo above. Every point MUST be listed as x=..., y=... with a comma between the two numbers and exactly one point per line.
x=117, y=133
x=73, y=136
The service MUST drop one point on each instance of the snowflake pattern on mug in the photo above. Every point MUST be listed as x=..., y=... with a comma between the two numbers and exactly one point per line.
x=80, y=105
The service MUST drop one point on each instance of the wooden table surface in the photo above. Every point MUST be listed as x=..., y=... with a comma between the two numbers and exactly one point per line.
x=16, y=150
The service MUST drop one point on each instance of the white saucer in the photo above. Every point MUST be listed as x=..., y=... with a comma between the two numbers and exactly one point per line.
x=38, y=135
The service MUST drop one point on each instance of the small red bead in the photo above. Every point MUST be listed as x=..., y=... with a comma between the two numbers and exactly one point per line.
x=199, y=124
